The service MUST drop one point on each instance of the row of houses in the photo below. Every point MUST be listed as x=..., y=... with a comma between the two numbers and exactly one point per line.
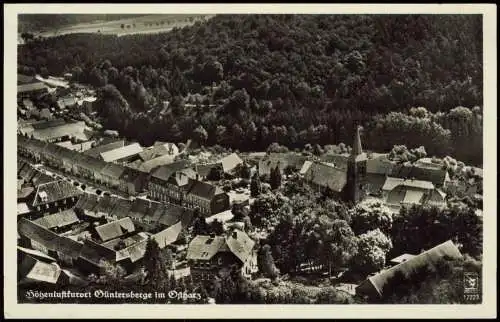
x=116, y=176
x=172, y=183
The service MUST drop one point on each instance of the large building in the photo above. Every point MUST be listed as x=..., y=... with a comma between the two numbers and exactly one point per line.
x=216, y=256
x=349, y=182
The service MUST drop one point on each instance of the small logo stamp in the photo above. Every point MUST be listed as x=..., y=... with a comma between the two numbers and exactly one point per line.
x=472, y=287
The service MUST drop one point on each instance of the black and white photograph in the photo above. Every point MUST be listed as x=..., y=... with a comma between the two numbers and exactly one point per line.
x=236, y=158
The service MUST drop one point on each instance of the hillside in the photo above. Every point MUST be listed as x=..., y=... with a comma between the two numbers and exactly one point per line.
x=292, y=79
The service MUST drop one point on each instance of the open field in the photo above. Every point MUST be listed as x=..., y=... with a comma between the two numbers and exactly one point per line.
x=137, y=25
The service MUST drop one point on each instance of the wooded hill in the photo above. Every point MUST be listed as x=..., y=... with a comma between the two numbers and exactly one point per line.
x=291, y=79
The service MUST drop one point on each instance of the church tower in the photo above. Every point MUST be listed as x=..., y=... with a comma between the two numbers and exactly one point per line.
x=356, y=171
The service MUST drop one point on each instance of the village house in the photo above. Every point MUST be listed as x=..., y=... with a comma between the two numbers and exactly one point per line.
x=55, y=196
x=379, y=285
x=133, y=181
x=403, y=192
x=66, y=102
x=148, y=166
x=35, y=271
x=205, y=171
x=97, y=150
x=209, y=199
x=159, y=149
x=61, y=132
x=31, y=90
x=126, y=153
x=37, y=237
x=214, y=256
x=230, y=163
x=111, y=175
x=59, y=222
x=159, y=186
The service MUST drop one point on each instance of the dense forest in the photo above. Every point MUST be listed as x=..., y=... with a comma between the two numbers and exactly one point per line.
x=37, y=22
x=246, y=81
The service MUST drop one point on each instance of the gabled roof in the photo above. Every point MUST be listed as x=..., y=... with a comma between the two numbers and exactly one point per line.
x=151, y=164
x=204, y=247
x=120, y=153
x=164, y=172
x=139, y=208
x=391, y=183
x=87, y=202
x=96, y=151
x=36, y=254
x=25, y=88
x=48, y=239
x=54, y=191
x=230, y=162
x=436, y=176
x=168, y=235
x=115, y=229
x=240, y=244
x=380, y=165
x=121, y=208
x=326, y=176
x=158, y=150
x=113, y=170
x=203, y=189
x=59, y=219
x=410, y=266
x=75, y=129
x=33, y=270
x=204, y=169
x=105, y=204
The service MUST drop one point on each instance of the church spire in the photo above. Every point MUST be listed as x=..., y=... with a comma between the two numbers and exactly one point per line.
x=356, y=147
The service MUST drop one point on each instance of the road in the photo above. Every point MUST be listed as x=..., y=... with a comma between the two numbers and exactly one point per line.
x=90, y=186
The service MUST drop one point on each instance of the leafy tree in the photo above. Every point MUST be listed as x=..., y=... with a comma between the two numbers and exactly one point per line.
x=372, y=249
x=370, y=216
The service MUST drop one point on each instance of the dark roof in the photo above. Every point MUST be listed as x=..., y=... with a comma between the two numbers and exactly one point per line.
x=48, y=239
x=165, y=171
x=410, y=266
x=326, y=176
x=94, y=253
x=436, y=176
x=121, y=209
x=60, y=219
x=205, y=247
x=87, y=202
x=204, y=169
x=105, y=204
x=203, y=189
x=96, y=151
x=90, y=163
x=171, y=214
x=54, y=191
x=25, y=79
x=139, y=208
x=115, y=229
x=113, y=170
x=34, y=270
x=41, y=178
